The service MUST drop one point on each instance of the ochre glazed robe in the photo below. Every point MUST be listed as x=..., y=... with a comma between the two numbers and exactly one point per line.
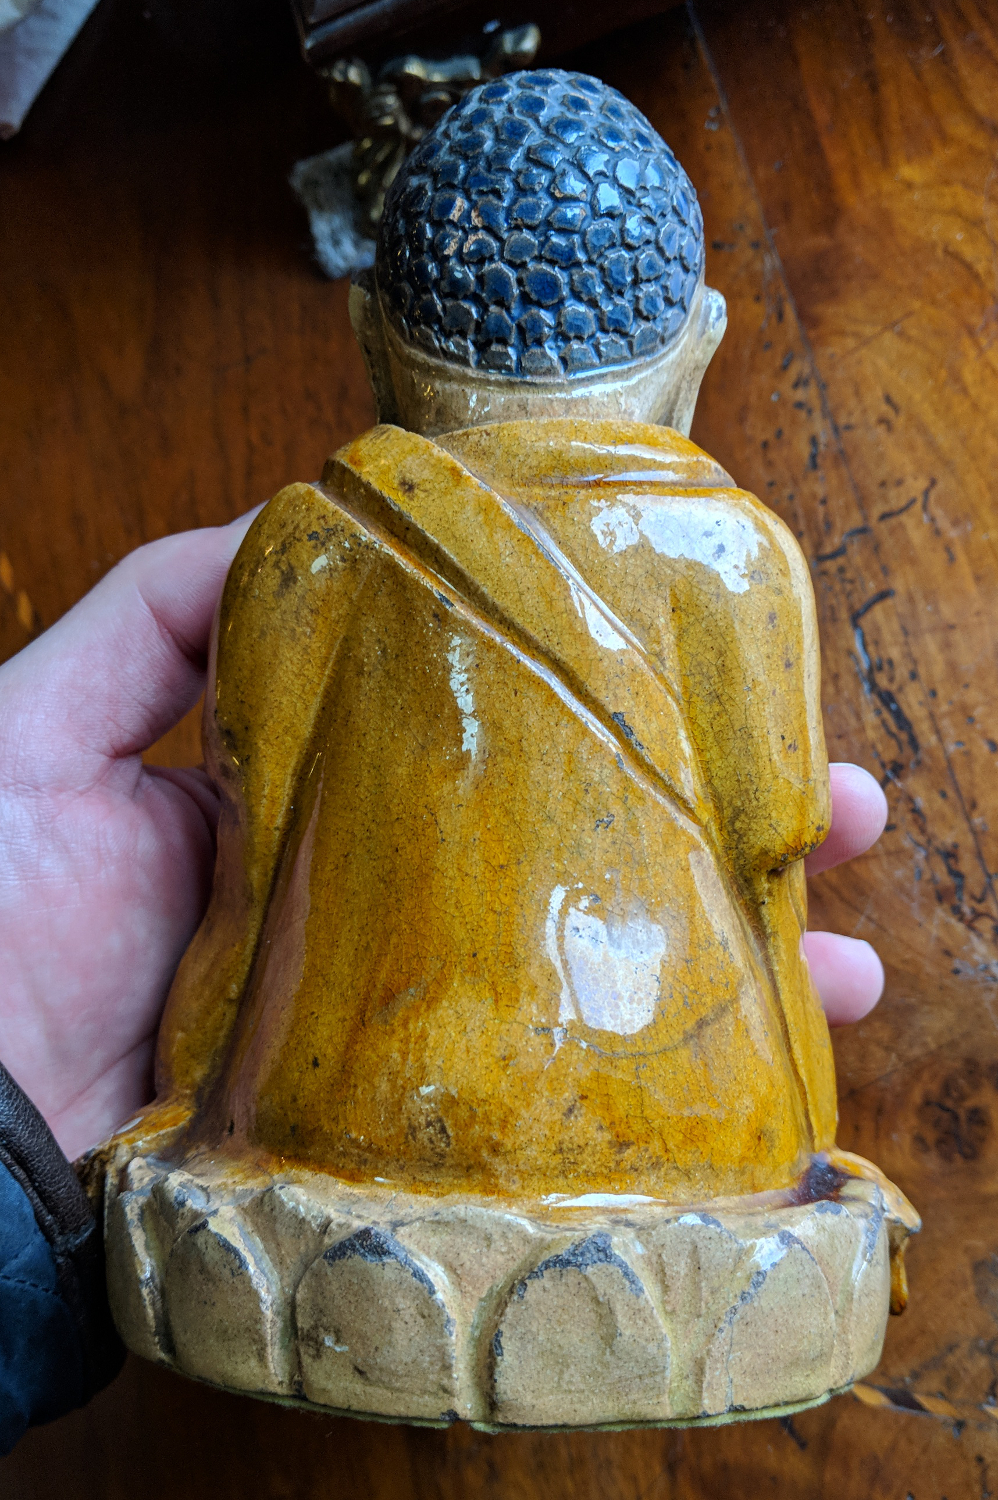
x=519, y=742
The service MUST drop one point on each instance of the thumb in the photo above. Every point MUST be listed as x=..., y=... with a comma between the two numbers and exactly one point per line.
x=120, y=668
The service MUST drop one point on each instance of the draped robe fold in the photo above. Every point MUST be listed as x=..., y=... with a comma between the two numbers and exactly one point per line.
x=519, y=743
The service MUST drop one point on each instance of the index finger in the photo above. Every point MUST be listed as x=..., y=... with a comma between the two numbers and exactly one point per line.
x=859, y=812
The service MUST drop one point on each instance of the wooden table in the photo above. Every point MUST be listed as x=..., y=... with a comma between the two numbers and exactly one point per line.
x=169, y=357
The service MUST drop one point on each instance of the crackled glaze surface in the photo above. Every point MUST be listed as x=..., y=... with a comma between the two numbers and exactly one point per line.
x=510, y=896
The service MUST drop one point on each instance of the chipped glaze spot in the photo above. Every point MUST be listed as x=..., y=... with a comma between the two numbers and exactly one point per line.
x=615, y=967
x=463, y=697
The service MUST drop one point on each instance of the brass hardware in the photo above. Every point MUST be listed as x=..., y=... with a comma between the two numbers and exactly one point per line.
x=390, y=112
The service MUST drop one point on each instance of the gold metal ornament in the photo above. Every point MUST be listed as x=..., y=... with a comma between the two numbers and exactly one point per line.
x=390, y=112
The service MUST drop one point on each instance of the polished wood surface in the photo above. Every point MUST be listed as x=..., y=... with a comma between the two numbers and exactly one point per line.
x=168, y=357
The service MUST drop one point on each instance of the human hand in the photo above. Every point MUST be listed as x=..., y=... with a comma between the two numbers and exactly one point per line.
x=107, y=862
x=847, y=972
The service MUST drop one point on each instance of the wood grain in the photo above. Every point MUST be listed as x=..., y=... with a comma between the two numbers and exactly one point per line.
x=169, y=358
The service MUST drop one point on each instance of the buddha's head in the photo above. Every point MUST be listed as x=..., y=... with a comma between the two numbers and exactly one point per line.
x=540, y=255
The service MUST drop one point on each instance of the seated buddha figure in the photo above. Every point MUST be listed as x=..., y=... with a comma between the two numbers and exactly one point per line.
x=515, y=719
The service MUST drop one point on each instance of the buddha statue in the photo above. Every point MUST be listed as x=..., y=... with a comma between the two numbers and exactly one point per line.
x=494, y=1084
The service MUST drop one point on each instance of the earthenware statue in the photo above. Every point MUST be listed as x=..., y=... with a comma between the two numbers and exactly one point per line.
x=494, y=1084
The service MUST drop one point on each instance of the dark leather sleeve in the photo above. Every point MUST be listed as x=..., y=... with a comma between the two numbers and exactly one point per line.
x=31, y=1157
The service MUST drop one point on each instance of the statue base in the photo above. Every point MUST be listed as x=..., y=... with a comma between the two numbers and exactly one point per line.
x=601, y=1311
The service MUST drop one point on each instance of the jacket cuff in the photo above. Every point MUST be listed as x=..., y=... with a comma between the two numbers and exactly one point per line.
x=58, y=1345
